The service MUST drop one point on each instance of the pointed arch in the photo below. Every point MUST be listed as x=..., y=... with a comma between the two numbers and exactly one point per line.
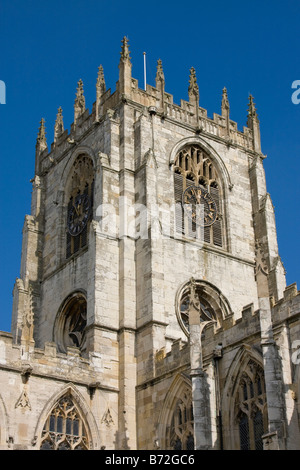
x=244, y=407
x=178, y=399
x=80, y=150
x=76, y=197
x=201, y=183
x=83, y=414
x=214, y=156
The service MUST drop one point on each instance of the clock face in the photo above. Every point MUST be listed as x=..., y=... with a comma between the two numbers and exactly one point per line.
x=78, y=214
x=199, y=205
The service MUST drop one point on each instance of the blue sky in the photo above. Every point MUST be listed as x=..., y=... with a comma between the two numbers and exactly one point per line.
x=247, y=46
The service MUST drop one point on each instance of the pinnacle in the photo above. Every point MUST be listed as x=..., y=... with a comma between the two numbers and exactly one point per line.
x=125, y=50
x=59, y=124
x=42, y=130
x=193, y=87
x=225, y=101
x=100, y=85
x=80, y=99
x=252, y=113
x=159, y=71
x=41, y=142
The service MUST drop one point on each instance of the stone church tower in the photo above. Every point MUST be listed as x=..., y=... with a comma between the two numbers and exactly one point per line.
x=151, y=310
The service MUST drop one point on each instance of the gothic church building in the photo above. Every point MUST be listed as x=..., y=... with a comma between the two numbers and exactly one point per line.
x=151, y=311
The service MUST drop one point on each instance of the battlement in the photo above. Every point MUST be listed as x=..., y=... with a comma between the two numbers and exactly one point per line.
x=50, y=362
x=155, y=101
x=176, y=359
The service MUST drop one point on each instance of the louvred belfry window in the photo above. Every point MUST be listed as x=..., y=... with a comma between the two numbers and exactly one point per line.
x=194, y=168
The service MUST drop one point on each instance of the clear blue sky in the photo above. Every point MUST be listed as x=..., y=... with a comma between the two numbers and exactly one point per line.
x=247, y=46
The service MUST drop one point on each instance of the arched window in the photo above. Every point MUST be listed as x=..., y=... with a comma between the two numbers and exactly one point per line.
x=206, y=311
x=197, y=188
x=250, y=406
x=181, y=436
x=64, y=428
x=70, y=325
x=212, y=304
x=79, y=204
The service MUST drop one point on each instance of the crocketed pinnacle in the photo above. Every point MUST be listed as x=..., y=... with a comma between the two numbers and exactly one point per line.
x=59, y=124
x=125, y=50
x=252, y=113
x=193, y=87
x=80, y=99
x=41, y=142
x=225, y=101
x=100, y=85
x=159, y=71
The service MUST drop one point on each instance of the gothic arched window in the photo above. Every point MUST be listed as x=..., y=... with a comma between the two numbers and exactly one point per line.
x=206, y=312
x=80, y=193
x=211, y=303
x=181, y=433
x=64, y=428
x=250, y=405
x=69, y=329
x=193, y=167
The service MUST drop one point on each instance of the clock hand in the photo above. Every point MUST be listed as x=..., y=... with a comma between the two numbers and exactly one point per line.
x=74, y=205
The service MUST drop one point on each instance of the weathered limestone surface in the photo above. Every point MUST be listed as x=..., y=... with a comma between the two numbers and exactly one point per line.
x=139, y=364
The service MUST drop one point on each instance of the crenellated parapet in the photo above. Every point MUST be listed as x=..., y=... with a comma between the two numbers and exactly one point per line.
x=188, y=114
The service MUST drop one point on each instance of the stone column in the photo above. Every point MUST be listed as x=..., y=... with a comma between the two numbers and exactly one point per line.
x=202, y=428
x=275, y=439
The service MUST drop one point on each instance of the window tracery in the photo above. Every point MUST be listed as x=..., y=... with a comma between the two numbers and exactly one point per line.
x=206, y=312
x=250, y=406
x=212, y=305
x=182, y=424
x=69, y=330
x=193, y=167
x=64, y=428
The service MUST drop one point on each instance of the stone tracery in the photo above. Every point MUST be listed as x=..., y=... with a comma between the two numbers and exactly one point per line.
x=193, y=166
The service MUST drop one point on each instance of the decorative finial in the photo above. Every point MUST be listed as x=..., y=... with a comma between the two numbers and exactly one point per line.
x=225, y=113
x=59, y=124
x=41, y=142
x=100, y=85
x=159, y=71
x=125, y=80
x=79, y=105
x=225, y=101
x=100, y=90
x=253, y=124
x=160, y=84
x=193, y=87
x=125, y=50
x=194, y=97
x=252, y=114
